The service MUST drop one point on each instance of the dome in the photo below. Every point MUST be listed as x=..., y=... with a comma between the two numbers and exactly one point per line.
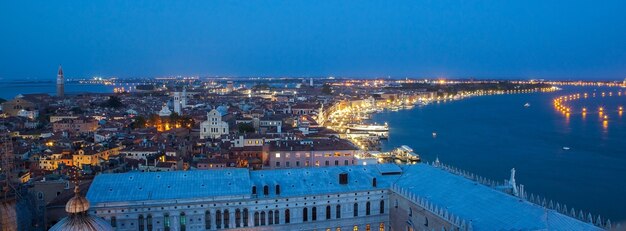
x=78, y=218
x=77, y=204
x=81, y=222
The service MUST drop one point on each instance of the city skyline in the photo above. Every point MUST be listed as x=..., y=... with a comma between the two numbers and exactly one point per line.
x=446, y=39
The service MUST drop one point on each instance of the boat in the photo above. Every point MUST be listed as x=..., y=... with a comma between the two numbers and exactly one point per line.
x=368, y=127
x=566, y=148
x=527, y=105
x=406, y=153
x=434, y=135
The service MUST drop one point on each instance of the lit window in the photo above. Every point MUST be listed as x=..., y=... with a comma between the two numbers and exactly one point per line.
x=277, y=155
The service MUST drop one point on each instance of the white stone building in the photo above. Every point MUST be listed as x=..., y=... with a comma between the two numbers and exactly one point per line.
x=213, y=127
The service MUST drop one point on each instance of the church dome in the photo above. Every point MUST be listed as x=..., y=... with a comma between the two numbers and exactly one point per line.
x=78, y=219
x=77, y=204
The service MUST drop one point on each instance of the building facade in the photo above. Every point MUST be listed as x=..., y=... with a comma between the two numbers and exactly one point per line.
x=213, y=127
x=371, y=197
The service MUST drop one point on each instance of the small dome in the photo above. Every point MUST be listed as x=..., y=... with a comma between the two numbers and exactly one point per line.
x=77, y=204
x=78, y=219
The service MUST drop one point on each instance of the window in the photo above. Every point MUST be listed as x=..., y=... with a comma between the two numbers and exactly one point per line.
x=218, y=219
x=338, y=212
x=276, y=217
x=277, y=189
x=382, y=207
x=245, y=217
x=256, y=218
x=298, y=163
x=381, y=227
x=237, y=218
x=287, y=216
x=356, y=210
x=426, y=221
x=287, y=164
x=314, y=213
x=277, y=155
x=336, y=163
x=328, y=212
x=327, y=163
x=305, y=214
x=226, y=218
x=367, y=208
x=166, y=222
x=141, y=223
x=253, y=190
x=183, y=222
x=113, y=222
x=368, y=228
x=277, y=163
x=270, y=217
x=374, y=182
x=149, y=221
x=410, y=212
x=345, y=162
x=355, y=228
x=207, y=220
x=266, y=190
x=262, y=218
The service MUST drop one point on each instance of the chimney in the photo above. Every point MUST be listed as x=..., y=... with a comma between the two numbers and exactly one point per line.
x=343, y=178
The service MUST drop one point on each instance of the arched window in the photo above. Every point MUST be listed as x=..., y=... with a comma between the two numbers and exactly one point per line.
x=166, y=222
x=382, y=207
x=270, y=217
x=368, y=228
x=276, y=217
x=141, y=223
x=256, y=219
x=226, y=218
x=305, y=214
x=410, y=212
x=328, y=213
x=367, y=208
x=374, y=182
x=237, y=218
x=287, y=216
x=245, y=217
x=149, y=221
x=262, y=218
x=253, y=190
x=113, y=222
x=266, y=190
x=314, y=214
x=218, y=219
x=426, y=221
x=207, y=219
x=355, y=228
x=381, y=227
x=277, y=189
x=356, y=210
x=338, y=212
x=183, y=222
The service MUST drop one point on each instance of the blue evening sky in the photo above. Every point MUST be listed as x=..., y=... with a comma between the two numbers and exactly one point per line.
x=437, y=38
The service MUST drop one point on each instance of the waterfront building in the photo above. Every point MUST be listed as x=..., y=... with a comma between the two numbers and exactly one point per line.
x=60, y=83
x=213, y=127
x=379, y=197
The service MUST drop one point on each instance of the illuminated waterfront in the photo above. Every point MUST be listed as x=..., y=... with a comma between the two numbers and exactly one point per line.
x=493, y=134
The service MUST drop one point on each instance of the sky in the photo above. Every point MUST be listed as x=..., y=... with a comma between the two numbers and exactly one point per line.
x=438, y=38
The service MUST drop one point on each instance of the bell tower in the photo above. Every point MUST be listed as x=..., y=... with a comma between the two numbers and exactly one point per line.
x=60, y=83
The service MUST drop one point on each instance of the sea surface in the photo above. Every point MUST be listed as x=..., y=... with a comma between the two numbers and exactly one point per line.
x=9, y=88
x=489, y=135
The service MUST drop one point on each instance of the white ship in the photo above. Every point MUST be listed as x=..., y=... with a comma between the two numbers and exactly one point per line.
x=368, y=127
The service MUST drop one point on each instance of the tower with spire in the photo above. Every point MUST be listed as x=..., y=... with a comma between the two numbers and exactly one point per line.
x=60, y=83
